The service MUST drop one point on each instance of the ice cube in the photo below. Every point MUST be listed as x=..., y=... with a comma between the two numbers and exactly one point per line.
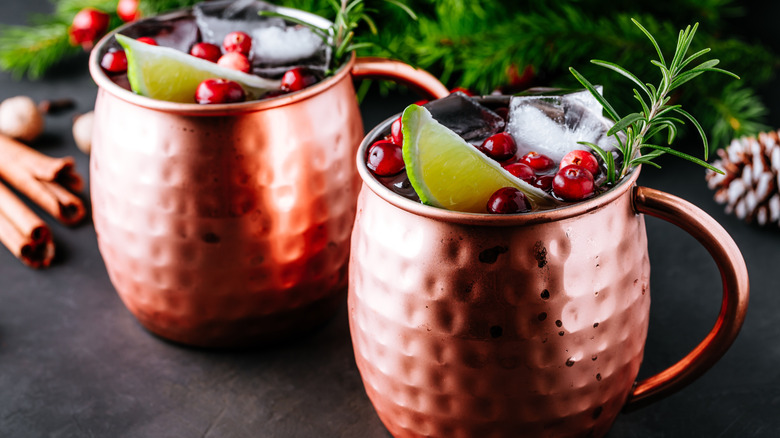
x=216, y=19
x=553, y=123
x=467, y=118
x=177, y=30
x=276, y=46
x=277, y=49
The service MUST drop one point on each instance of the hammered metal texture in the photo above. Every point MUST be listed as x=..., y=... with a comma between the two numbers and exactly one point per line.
x=227, y=229
x=525, y=330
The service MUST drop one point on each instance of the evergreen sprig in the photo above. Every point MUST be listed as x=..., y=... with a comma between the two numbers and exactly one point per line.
x=657, y=114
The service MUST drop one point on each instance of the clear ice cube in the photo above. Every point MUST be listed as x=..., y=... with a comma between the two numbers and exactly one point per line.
x=464, y=116
x=177, y=30
x=218, y=18
x=552, y=122
x=276, y=46
x=277, y=49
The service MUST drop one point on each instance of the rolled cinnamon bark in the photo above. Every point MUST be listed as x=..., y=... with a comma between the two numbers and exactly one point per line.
x=40, y=165
x=23, y=232
x=39, y=177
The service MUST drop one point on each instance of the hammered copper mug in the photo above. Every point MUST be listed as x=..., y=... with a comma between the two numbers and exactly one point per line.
x=224, y=225
x=533, y=325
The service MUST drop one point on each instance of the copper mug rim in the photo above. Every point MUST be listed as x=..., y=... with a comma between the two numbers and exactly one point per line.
x=436, y=213
x=104, y=82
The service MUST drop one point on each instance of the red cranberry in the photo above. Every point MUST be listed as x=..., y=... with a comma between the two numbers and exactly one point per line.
x=127, y=10
x=207, y=51
x=219, y=91
x=385, y=158
x=543, y=182
x=237, y=42
x=539, y=162
x=148, y=40
x=522, y=171
x=298, y=78
x=499, y=147
x=573, y=183
x=581, y=158
x=235, y=61
x=88, y=25
x=508, y=200
x=114, y=61
x=396, y=131
x=421, y=102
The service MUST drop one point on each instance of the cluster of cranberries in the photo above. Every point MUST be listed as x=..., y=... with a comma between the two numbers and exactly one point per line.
x=234, y=54
x=571, y=180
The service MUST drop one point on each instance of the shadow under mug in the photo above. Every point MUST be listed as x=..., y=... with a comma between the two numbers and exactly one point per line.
x=227, y=225
x=476, y=325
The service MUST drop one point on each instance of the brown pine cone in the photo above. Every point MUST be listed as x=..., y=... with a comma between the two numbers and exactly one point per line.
x=749, y=187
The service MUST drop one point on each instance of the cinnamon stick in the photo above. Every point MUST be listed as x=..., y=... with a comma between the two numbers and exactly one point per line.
x=41, y=178
x=23, y=232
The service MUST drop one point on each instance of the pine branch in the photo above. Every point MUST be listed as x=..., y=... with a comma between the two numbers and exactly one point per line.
x=32, y=50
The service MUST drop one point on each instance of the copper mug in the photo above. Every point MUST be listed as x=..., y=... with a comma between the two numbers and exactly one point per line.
x=534, y=325
x=225, y=225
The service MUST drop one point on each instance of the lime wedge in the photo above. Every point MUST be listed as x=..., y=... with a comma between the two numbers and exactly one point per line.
x=165, y=73
x=447, y=172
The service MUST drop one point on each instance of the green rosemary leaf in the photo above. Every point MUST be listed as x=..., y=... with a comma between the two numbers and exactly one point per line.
x=652, y=40
x=645, y=109
x=668, y=119
x=653, y=154
x=672, y=133
x=625, y=122
x=642, y=160
x=653, y=90
x=693, y=57
x=614, y=67
x=605, y=156
x=656, y=129
x=698, y=128
x=371, y=24
x=357, y=46
x=683, y=155
x=606, y=105
x=666, y=109
x=683, y=44
x=404, y=8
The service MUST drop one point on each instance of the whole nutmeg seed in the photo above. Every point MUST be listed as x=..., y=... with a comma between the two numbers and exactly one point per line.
x=20, y=118
x=82, y=131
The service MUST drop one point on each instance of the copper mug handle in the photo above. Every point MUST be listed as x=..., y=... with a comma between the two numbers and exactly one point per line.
x=382, y=68
x=733, y=306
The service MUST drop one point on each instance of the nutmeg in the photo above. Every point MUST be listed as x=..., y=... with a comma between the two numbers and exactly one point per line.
x=20, y=118
x=82, y=131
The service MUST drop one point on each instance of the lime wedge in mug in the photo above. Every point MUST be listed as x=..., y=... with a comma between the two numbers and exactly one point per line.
x=165, y=73
x=447, y=172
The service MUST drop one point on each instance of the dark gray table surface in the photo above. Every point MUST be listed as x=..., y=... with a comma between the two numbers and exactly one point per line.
x=75, y=363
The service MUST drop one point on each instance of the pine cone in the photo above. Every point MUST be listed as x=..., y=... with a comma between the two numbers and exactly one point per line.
x=749, y=187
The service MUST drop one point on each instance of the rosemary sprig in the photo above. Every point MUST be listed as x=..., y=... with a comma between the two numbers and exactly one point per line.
x=341, y=34
x=656, y=115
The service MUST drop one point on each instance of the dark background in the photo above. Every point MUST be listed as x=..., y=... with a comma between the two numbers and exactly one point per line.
x=74, y=362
